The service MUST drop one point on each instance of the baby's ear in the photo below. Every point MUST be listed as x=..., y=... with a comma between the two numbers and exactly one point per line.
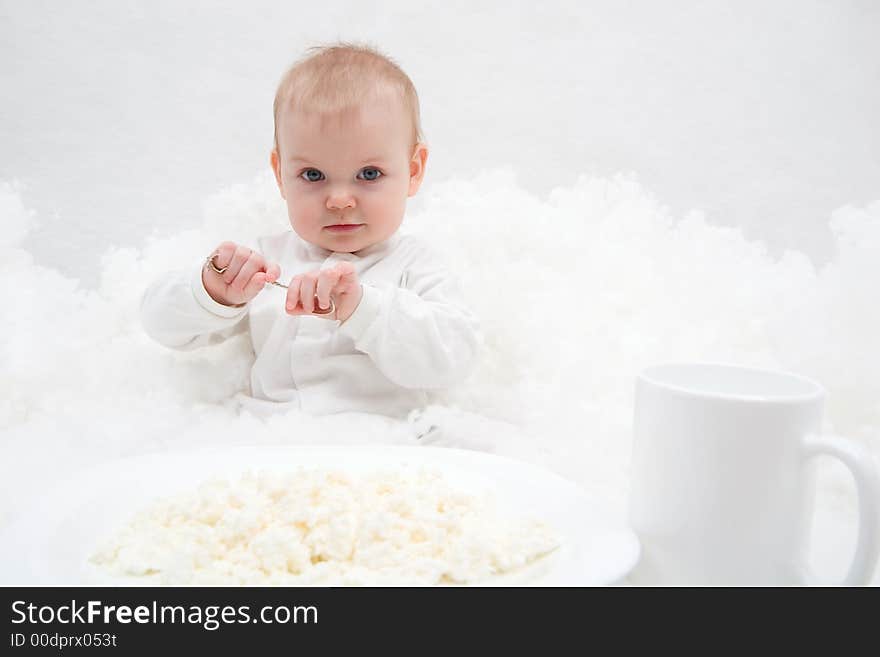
x=275, y=162
x=417, y=168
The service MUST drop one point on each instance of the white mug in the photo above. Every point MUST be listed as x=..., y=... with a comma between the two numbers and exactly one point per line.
x=722, y=483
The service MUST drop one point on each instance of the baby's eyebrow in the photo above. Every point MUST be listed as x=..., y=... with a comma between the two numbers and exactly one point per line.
x=368, y=160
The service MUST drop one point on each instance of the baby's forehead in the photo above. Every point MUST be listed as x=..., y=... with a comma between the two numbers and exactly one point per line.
x=372, y=127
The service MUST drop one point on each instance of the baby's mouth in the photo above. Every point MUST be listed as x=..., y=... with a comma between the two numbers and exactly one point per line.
x=343, y=228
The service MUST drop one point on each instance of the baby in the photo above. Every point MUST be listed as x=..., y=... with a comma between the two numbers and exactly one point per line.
x=371, y=320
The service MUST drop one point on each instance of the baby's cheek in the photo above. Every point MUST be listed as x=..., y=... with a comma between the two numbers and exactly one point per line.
x=304, y=217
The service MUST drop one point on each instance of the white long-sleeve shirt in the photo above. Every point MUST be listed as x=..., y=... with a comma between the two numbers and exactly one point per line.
x=411, y=332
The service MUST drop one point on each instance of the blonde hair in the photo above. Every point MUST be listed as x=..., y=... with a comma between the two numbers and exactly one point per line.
x=338, y=78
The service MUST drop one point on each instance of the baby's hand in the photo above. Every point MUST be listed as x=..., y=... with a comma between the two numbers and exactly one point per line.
x=245, y=275
x=339, y=283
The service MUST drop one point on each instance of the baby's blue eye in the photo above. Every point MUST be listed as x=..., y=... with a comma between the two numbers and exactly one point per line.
x=371, y=174
x=307, y=174
x=371, y=171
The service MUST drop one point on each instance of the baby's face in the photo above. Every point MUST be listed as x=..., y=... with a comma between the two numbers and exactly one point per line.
x=346, y=182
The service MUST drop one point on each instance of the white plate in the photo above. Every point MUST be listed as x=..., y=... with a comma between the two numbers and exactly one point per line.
x=51, y=542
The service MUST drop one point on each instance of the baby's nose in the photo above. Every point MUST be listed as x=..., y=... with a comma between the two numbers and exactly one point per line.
x=340, y=200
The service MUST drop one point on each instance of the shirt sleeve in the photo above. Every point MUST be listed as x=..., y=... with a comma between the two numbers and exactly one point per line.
x=421, y=336
x=178, y=312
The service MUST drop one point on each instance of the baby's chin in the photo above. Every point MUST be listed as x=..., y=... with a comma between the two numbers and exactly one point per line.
x=343, y=243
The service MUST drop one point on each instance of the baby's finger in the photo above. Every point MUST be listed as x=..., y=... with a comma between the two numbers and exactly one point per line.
x=241, y=255
x=255, y=285
x=347, y=277
x=307, y=292
x=273, y=271
x=327, y=280
x=223, y=254
x=251, y=266
x=293, y=290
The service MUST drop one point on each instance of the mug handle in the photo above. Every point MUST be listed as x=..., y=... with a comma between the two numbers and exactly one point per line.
x=867, y=479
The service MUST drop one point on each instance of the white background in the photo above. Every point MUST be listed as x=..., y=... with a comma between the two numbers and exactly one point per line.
x=120, y=117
